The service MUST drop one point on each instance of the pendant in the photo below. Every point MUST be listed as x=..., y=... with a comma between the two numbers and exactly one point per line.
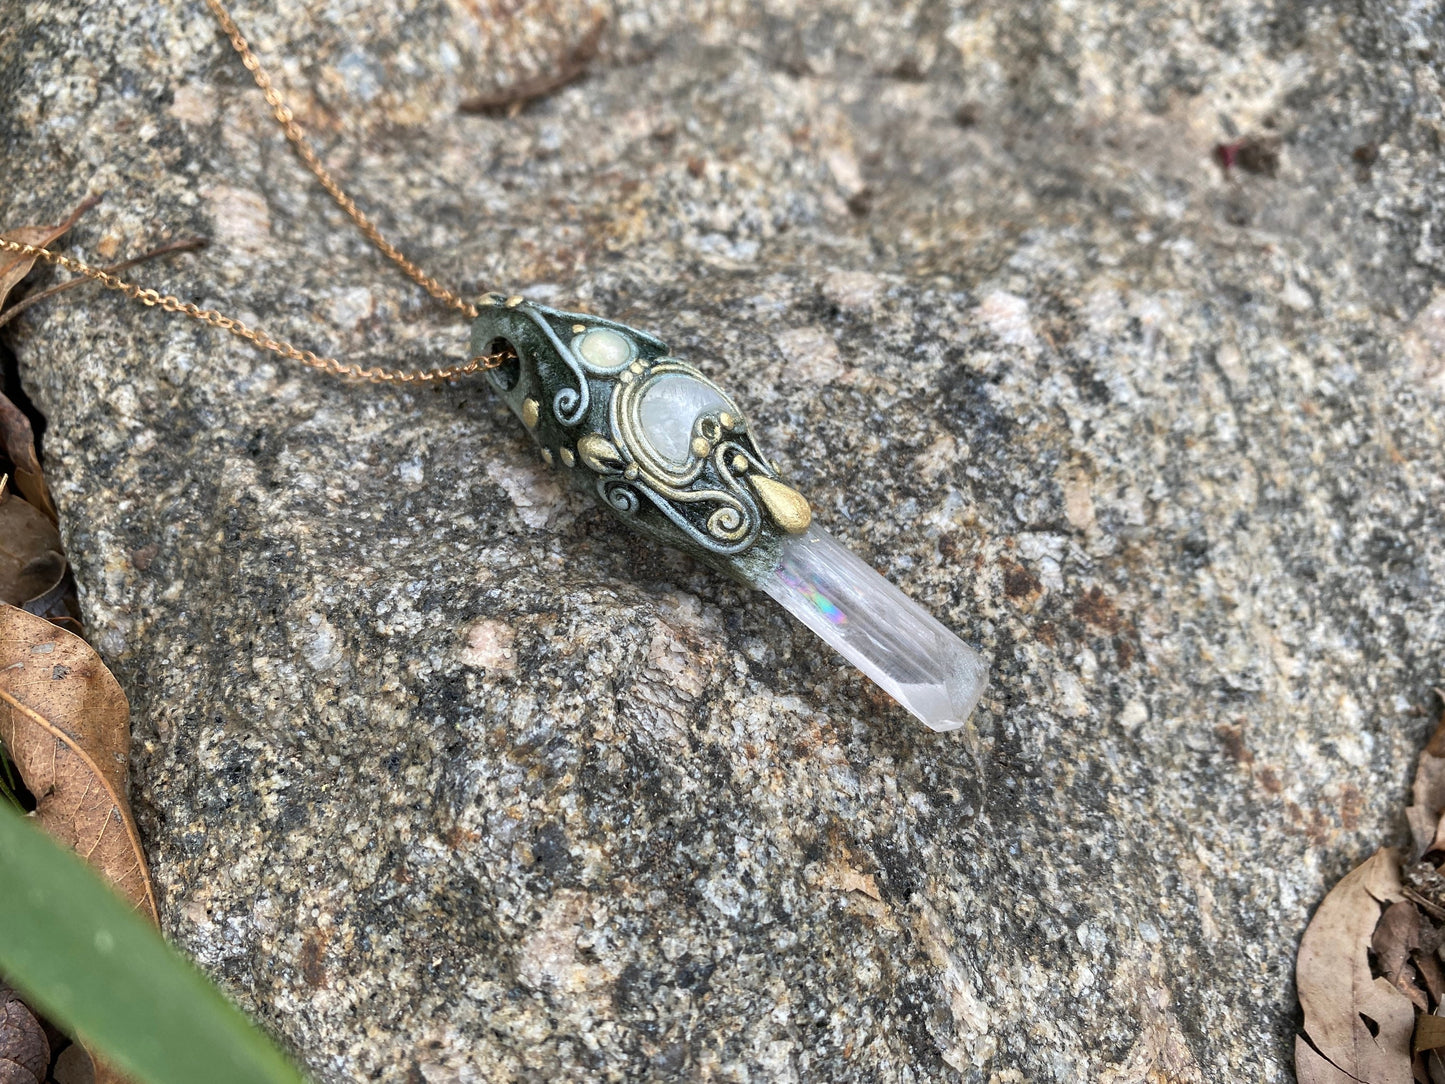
x=671, y=455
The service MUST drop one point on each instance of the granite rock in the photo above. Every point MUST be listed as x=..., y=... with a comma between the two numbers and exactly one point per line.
x=443, y=779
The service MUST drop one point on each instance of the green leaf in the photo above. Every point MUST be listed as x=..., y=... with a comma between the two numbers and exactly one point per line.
x=93, y=966
x=9, y=785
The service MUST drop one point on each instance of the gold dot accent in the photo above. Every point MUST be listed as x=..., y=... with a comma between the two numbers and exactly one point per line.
x=514, y=301
x=529, y=413
x=568, y=459
x=637, y=367
x=788, y=507
x=740, y=463
x=700, y=447
x=547, y=456
x=728, y=421
x=577, y=329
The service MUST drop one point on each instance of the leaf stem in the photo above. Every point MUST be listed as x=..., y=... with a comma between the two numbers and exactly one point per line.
x=185, y=244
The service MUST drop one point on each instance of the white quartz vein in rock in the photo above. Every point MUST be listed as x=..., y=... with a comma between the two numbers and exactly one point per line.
x=878, y=628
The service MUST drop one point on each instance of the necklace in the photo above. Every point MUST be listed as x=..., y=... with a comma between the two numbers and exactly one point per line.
x=664, y=448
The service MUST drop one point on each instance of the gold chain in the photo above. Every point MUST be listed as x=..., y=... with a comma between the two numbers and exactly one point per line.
x=258, y=338
x=171, y=303
x=284, y=117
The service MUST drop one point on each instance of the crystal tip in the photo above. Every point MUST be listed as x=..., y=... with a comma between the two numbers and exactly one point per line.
x=871, y=623
x=948, y=705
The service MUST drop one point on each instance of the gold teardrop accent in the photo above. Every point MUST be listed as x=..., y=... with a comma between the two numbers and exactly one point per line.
x=786, y=505
x=598, y=453
x=529, y=413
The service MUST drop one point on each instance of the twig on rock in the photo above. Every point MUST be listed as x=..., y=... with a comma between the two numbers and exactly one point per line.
x=185, y=244
x=509, y=100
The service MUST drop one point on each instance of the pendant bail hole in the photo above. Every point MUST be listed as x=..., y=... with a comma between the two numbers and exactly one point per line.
x=505, y=375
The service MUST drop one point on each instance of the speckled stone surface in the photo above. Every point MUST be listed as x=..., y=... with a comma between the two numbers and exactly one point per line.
x=446, y=780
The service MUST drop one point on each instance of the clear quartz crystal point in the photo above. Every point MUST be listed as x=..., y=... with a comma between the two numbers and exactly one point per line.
x=878, y=628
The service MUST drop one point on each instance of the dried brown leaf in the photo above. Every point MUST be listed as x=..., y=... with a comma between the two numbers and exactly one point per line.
x=66, y=725
x=1396, y=937
x=24, y=1050
x=1430, y=1033
x=75, y=1066
x=1424, y=816
x=1310, y=1067
x=1428, y=965
x=30, y=555
x=18, y=440
x=1359, y=1024
x=14, y=268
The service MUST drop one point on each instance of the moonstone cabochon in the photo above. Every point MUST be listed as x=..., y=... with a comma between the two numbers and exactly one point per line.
x=670, y=407
x=605, y=349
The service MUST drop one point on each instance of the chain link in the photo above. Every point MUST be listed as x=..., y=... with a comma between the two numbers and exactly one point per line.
x=169, y=303
x=287, y=119
x=258, y=338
